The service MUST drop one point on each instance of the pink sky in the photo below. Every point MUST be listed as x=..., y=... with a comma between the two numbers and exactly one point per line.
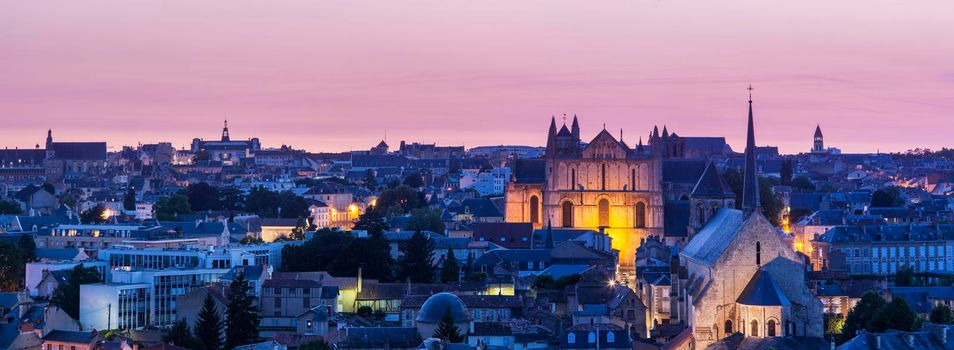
x=333, y=75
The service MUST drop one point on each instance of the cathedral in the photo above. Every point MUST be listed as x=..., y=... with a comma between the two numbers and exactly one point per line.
x=604, y=185
x=739, y=275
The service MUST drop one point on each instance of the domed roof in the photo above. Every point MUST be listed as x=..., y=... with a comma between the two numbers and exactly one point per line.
x=437, y=305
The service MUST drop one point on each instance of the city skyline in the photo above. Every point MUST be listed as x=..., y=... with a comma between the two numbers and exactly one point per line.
x=314, y=75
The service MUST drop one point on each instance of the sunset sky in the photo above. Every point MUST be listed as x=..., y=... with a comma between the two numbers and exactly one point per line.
x=333, y=75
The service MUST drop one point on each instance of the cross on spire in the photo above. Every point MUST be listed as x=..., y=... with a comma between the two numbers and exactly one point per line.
x=750, y=92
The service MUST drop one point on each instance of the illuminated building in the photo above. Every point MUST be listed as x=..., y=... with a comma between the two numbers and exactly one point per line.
x=226, y=150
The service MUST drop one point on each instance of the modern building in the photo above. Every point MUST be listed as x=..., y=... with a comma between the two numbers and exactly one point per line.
x=115, y=305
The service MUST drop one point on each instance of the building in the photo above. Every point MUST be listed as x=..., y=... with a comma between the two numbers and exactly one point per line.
x=73, y=340
x=605, y=184
x=115, y=305
x=226, y=150
x=284, y=300
x=883, y=249
x=818, y=144
x=742, y=275
x=68, y=160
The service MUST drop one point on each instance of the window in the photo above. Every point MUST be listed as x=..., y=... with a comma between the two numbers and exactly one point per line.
x=567, y=214
x=770, y=331
x=573, y=179
x=604, y=212
x=278, y=302
x=755, y=328
x=610, y=337
x=571, y=338
x=603, y=176
x=534, y=209
x=758, y=253
x=591, y=338
x=728, y=327
x=640, y=214
x=306, y=302
x=632, y=179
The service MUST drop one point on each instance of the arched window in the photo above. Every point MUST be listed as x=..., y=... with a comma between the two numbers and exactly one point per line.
x=770, y=330
x=640, y=214
x=604, y=212
x=610, y=337
x=758, y=253
x=728, y=327
x=632, y=179
x=534, y=209
x=567, y=214
x=573, y=179
x=701, y=213
x=591, y=337
x=755, y=328
x=603, y=176
x=571, y=338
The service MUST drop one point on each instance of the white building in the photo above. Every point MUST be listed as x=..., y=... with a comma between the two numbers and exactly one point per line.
x=486, y=183
x=115, y=305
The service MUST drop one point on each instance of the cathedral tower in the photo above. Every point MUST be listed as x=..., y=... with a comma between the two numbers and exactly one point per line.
x=819, y=145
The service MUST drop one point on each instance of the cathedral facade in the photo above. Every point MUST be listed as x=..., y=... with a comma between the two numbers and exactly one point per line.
x=603, y=186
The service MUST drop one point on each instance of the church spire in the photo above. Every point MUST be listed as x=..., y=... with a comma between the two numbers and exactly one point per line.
x=225, y=131
x=575, y=129
x=549, y=241
x=750, y=182
x=551, y=137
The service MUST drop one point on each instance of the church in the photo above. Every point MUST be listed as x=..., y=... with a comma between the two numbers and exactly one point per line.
x=604, y=185
x=739, y=275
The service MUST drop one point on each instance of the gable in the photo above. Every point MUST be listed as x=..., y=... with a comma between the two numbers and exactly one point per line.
x=605, y=146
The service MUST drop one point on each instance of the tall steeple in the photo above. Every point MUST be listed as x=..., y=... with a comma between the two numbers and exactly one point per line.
x=551, y=137
x=225, y=131
x=575, y=129
x=750, y=181
x=49, y=139
x=818, y=144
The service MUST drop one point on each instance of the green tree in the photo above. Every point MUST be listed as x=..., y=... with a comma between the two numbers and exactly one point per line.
x=94, y=215
x=180, y=335
x=231, y=199
x=904, y=277
x=371, y=221
x=270, y=204
x=418, y=258
x=67, y=295
x=786, y=172
x=450, y=272
x=9, y=207
x=11, y=267
x=414, y=180
x=423, y=219
x=208, y=325
x=834, y=323
x=772, y=204
x=887, y=197
x=242, y=314
x=28, y=247
x=129, y=199
x=169, y=207
x=802, y=184
x=860, y=317
x=365, y=311
x=895, y=315
x=399, y=200
x=941, y=314
x=202, y=197
x=68, y=199
x=298, y=233
x=370, y=181
x=447, y=330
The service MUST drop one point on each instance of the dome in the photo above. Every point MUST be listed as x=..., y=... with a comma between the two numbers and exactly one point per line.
x=437, y=305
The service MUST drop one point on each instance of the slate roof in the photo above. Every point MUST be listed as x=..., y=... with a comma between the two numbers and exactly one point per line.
x=895, y=340
x=517, y=234
x=529, y=171
x=80, y=150
x=69, y=336
x=8, y=299
x=676, y=218
x=887, y=233
x=682, y=170
x=711, y=183
x=762, y=291
x=57, y=253
x=378, y=337
x=709, y=243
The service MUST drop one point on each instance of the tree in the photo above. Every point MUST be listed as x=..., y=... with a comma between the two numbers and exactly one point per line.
x=94, y=215
x=786, y=172
x=416, y=263
x=208, y=325
x=904, y=277
x=887, y=197
x=202, y=197
x=180, y=335
x=242, y=314
x=834, y=323
x=941, y=314
x=11, y=267
x=27, y=247
x=270, y=204
x=67, y=295
x=447, y=330
x=450, y=272
x=370, y=181
x=129, y=199
x=231, y=199
x=68, y=199
x=315, y=345
x=414, y=180
x=371, y=221
x=168, y=208
x=895, y=315
x=861, y=316
x=802, y=184
x=298, y=233
x=399, y=200
x=9, y=207
x=424, y=219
